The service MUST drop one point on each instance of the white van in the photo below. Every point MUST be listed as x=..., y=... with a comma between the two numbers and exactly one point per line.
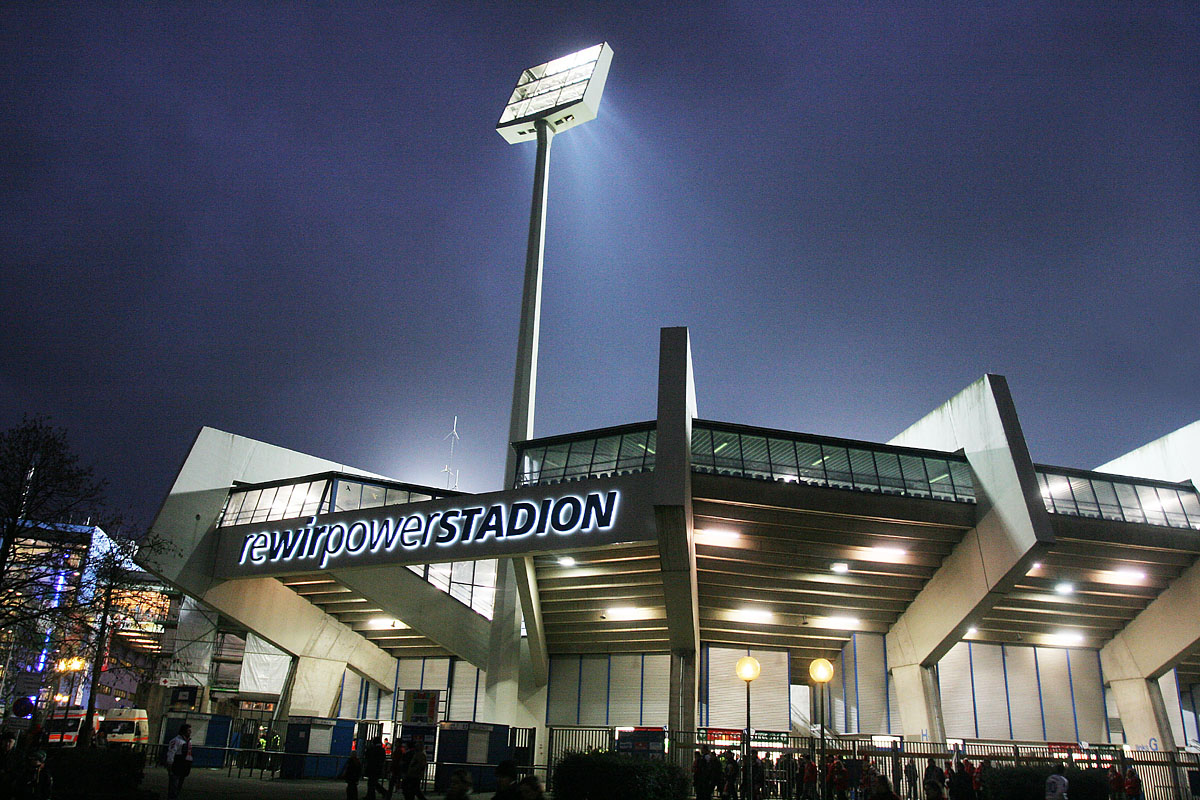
x=126, y=726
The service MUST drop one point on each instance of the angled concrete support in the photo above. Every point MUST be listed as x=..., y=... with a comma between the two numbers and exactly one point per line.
x=424, y=608
x=188, y=521
x=1168, y=629
x=673, y=519
x=1012, y=530
x=531, y=612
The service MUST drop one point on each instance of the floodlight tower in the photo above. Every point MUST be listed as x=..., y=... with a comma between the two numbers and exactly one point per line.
x=550, y=98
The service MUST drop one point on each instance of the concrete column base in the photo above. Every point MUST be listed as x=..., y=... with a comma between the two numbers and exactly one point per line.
x=681, y=715
x=1143, y=713
x=920, y=703
x=316, y=687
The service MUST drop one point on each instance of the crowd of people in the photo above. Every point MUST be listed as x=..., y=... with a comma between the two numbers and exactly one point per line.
x=722, y=776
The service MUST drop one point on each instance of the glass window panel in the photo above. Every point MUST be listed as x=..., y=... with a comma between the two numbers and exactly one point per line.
x=1060, y=494
x=1169, y=499
x=295, y=503
x=531, y=465
x=1130, y=507
x=263, y=507
x=395, y=497
x=887, y=465
x=651, y=444
x=702, y=449
x=372, y=496
x=483, y=599
x=233, y=508
x=579, y=458
x=1151, y=506
x=349, y=495
x=439, y=576
x=1085, y=499
x=462, y=571
x=837, y=466
x=605, y=457
x=1191, y=507
x=1106, y=500
x=783, y=459
x=279, y=504
x=862, y=465
x=727, y=453
x=312, y=501
x=485, y=573
x=461, y=592
x=554, y=464
x=418, y=497
x=941, y=486
x=755, y=463
x=633, y=452
x=964, y=483
x=916, y=483
x=417, y=568
x=810, y=462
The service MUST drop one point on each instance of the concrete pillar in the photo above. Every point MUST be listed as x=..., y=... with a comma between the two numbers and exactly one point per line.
x=920, y=703
x=681, y=715
x=511, y=696
x=316, y=687
x=1143, y=713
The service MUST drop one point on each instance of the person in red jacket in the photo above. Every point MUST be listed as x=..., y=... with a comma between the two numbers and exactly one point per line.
x=1133, y=785
x=810, y=779
x=839, y=776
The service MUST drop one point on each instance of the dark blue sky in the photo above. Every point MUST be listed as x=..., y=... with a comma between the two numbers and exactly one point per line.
x=297, y=223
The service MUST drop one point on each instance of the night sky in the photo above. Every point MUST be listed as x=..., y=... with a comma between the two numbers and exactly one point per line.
x=296, y=222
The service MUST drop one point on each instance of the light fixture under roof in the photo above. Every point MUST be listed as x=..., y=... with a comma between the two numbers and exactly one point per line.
x=971, y=631
x=1129, y=577
x=626, y=613
x=759, y=616
x=840, y=567
x=886, y=554
x=564, y=92
x=844, y=623
x=1067, y=638
x=717, y=536
x=1064, y=588
x=566, y=561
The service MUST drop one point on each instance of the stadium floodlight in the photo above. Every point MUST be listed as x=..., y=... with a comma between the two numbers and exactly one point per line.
x=549, y=98
x=564, y=92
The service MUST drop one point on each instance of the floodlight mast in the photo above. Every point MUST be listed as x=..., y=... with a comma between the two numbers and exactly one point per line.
x=549, y=98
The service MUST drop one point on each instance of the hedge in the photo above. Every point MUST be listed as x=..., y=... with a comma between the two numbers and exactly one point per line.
x=609, y=776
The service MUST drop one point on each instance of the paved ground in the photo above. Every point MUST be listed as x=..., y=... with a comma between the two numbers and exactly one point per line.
x=212, y=784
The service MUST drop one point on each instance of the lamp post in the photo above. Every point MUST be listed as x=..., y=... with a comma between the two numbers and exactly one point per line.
x=821, y=671
x=549, y=98
x=747, y=669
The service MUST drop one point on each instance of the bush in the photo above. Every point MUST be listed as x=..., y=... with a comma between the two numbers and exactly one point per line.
x=592, y=776
x=95, y=771
x=1029, y=783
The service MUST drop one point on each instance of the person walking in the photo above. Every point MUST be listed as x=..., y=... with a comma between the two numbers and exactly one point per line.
x=1056, y=784
x=401, y=754
x=374, y=762
x=414, y=776
x=1133, y=785
x=962, y=787
x=912, y=780
x=179, y=760
x=460, y=785
x=352, y=774
x=34, y=782
x=506, y=781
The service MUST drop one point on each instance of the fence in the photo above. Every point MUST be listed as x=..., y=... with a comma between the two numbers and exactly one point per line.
x=1173, y=775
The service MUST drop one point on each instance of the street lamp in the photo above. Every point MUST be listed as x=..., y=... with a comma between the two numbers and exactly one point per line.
x=821, y=671
x=747, y=669
x=548, y=99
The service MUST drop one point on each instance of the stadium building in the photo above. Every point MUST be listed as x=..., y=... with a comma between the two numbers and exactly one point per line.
x=960, y=590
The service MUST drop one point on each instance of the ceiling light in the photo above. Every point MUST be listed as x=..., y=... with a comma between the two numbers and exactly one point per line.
x=1126, y=576
x=759, y=616
x=840, y=567
x=566, y=561
x=841, y=622
x=1067, y=638
x=886, y=554
x=626, y=613
x=386, y=622
x=971, y=631
x=718, y=536
x=1065, y=587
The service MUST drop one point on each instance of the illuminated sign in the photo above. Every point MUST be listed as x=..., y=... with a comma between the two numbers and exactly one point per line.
x=539, y=519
